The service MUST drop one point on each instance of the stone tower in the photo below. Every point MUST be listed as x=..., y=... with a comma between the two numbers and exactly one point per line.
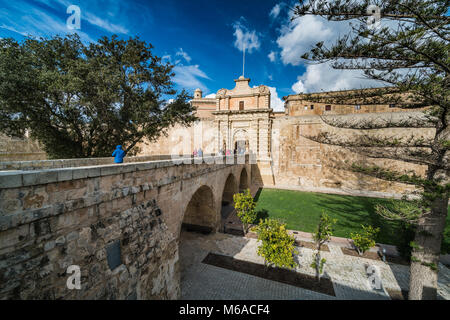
x=198, y=94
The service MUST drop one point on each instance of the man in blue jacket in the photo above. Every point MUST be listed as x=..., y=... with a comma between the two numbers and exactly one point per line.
x=118, y=154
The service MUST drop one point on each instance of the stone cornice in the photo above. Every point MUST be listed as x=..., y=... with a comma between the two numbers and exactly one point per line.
x=244, y=95
x=204, y=100
x=232, y=112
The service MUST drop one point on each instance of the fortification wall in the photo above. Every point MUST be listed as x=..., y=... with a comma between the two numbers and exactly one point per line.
x=301, y=162
x=15, y=149
x=183, y=140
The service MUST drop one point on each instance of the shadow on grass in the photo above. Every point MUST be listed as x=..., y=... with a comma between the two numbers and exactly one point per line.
x=302, y=210
x=258, y=193
x=261, y=215
x=352, y=212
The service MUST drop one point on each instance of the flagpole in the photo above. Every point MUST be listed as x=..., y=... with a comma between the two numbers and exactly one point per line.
x=243, y=63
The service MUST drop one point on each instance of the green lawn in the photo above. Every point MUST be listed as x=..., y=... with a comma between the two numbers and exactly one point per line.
x=301, y=211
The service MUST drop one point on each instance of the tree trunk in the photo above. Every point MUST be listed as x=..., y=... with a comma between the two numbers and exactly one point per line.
x=425, y=257
x=318, y=267
x=317, y=258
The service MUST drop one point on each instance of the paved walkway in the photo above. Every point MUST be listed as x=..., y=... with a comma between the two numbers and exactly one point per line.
x=203, y=282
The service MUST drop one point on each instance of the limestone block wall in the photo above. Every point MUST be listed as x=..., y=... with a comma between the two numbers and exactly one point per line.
x=53, y=219
x=298, y=161
x=183, y=140
x=14, y=149
x=87, y=216
x=250, y=102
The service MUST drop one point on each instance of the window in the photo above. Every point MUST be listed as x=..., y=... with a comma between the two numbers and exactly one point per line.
x=312, y=107
x=241, y=105
x=357, y=107
x=306, y=107
x=392, y=106
x=327, y=108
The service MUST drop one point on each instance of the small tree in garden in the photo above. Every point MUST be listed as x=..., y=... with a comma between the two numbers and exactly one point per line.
x=322, y=235
x=277, y=246
x=365, y=240
x=245, y=208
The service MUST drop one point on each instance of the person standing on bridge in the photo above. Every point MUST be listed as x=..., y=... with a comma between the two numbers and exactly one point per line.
x=118, y=154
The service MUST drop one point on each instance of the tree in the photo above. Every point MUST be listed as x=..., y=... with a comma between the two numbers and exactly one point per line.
x=277, y=246
x=321, y=236
x=245, y=208
x=364, y=240
x=410, y=55
x=82, y=100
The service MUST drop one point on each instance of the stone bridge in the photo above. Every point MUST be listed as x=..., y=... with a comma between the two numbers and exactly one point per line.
x=119, y=223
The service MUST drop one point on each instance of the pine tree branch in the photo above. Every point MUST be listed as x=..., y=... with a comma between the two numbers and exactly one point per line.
x=355, y=122
x=389, y=175
x=370, y=140
x=421, y=156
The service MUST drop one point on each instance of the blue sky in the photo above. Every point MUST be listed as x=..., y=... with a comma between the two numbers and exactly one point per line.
x=204, y=38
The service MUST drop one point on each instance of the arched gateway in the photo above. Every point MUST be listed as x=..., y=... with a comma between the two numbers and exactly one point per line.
x=201, y=214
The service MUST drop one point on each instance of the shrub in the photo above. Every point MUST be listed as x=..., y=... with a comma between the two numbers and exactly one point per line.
x=277, y=246
x=245, y=208
x=324, y=230
x=365, y=240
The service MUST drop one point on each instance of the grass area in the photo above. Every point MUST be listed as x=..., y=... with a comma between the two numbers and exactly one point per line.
x=301, y=211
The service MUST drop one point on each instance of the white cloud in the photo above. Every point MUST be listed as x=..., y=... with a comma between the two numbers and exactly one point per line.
x=275, y=102
x=30, y=20
x=245, y=38
x=272, y=56
x=299, y=87
x=300, y=35
x=38, y=23
x=320, y=77
x=104, y=24
x=211, y=96
x=183, y=54
x=189, y=77
x=276, y=10
x=96, y=20
x=9, y=28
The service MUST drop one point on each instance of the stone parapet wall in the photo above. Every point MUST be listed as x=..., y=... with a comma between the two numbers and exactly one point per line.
x=73, y=163
x=86, y=216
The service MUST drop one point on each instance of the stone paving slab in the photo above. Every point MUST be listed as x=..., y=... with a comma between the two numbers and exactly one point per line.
x=206, y=282
x=348, y=273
